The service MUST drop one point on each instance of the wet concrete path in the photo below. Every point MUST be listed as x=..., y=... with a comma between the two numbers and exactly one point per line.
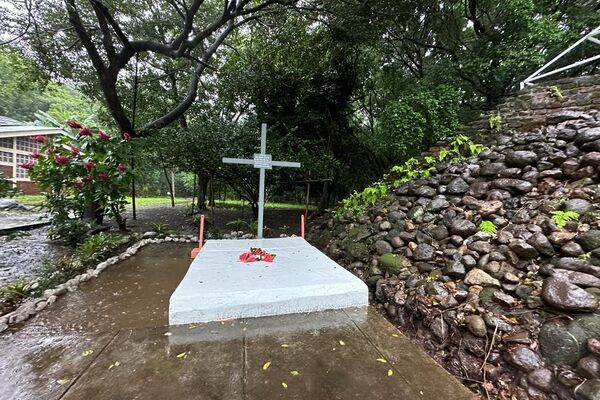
x=108, y=340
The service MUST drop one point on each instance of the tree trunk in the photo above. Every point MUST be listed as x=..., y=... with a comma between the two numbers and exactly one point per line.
x=202, y=191
x=170, y=186
x=93, y=212
x=324, y=202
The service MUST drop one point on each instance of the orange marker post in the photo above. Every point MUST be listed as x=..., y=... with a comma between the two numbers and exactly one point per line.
x=302, y=226
x=200, y=238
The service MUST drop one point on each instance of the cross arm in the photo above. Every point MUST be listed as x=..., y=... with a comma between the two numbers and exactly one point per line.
x=286, y=164
x=228, y=160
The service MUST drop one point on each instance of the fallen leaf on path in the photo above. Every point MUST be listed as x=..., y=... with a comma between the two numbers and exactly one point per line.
x=294, y=373
x=285, y=345
x=62, y=381
x=382, y=360
x=88, y=353
x=395, y=335
x=390, y=372
x=342, y=343
x=115, y=364
x=168, y=333
x=284, y=385
x=266, y=365
x=182, y=355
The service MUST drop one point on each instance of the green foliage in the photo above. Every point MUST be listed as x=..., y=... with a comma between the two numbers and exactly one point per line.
x=81, y=171
x=6, y=187
x=58, y=270
x=495, y=122
x=357, y=203
x=459, y=147
x=14, y=291
x=488, y=227
x=560, y=218
x=160, y=229
x=241, y=224
x=555, y=92
x=97, y=247
x=415, y=122
x=26, y=93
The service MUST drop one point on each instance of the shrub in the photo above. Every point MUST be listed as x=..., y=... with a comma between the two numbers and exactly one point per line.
x=97, y=247
x=6, y=187
x=160, y=229
x=14, y=291
x=58, y=270
x=81, y=173
x=244, y=225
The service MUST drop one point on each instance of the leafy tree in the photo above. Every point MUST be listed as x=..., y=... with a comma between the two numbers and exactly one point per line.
x=94, y=41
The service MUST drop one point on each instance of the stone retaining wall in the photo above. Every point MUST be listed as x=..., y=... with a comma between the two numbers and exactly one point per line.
x=536, y=106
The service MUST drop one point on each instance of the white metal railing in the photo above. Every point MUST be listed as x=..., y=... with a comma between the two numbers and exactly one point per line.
x=593, y=36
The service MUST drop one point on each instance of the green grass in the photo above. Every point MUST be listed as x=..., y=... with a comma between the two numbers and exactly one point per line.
x=158, y=201
x=30, y=199
x=36, y=200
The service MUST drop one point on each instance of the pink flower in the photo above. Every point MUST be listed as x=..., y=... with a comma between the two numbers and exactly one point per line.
x=256, y=254
x=122, y=167
x=103, y=136
x=78, y=184
x=88, y=179
x=85, y=131
x=247, y=257
x=35, y=155
x=74, y=151
x=103, y=176
x=39, y=138
x=126, y=136
x=27, y=165
x=62, y=160
x=73, y=124
x=89, y=165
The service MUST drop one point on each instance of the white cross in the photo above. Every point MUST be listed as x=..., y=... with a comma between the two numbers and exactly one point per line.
x=262, y=161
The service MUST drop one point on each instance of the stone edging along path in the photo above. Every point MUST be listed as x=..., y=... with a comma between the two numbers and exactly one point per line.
x=33, y=306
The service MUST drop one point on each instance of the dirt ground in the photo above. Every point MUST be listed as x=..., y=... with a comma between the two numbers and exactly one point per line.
x=179, y=219
x=22, y=253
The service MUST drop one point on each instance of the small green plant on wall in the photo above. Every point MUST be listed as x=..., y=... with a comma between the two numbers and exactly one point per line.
x=555, y=92
x=560, y=218
x=495, y=122
x=488, y=227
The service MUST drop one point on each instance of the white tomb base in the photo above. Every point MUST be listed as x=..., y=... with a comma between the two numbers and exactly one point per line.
x=219, y=286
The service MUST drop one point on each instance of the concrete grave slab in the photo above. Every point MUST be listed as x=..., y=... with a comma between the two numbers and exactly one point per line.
x=218, y=286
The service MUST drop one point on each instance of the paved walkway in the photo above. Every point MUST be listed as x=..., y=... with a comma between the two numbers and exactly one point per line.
x=107, y=341
x=21, y=221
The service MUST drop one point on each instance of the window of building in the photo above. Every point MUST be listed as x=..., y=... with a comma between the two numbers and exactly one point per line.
x=27, y=144
x=21, y=172
x=6, y=143
x=6, y=156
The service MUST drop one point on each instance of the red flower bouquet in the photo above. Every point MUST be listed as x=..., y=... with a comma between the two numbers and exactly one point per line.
x=256, y=254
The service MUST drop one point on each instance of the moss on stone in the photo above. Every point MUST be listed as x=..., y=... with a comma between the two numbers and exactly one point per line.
x=393, y=263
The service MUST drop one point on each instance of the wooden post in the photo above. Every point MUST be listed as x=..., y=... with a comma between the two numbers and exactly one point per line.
x=307, y=200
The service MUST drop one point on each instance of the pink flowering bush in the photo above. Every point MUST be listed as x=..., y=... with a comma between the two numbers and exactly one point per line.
x=84, y=176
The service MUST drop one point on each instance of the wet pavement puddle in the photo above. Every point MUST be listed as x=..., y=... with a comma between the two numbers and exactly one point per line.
x=109, y=340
